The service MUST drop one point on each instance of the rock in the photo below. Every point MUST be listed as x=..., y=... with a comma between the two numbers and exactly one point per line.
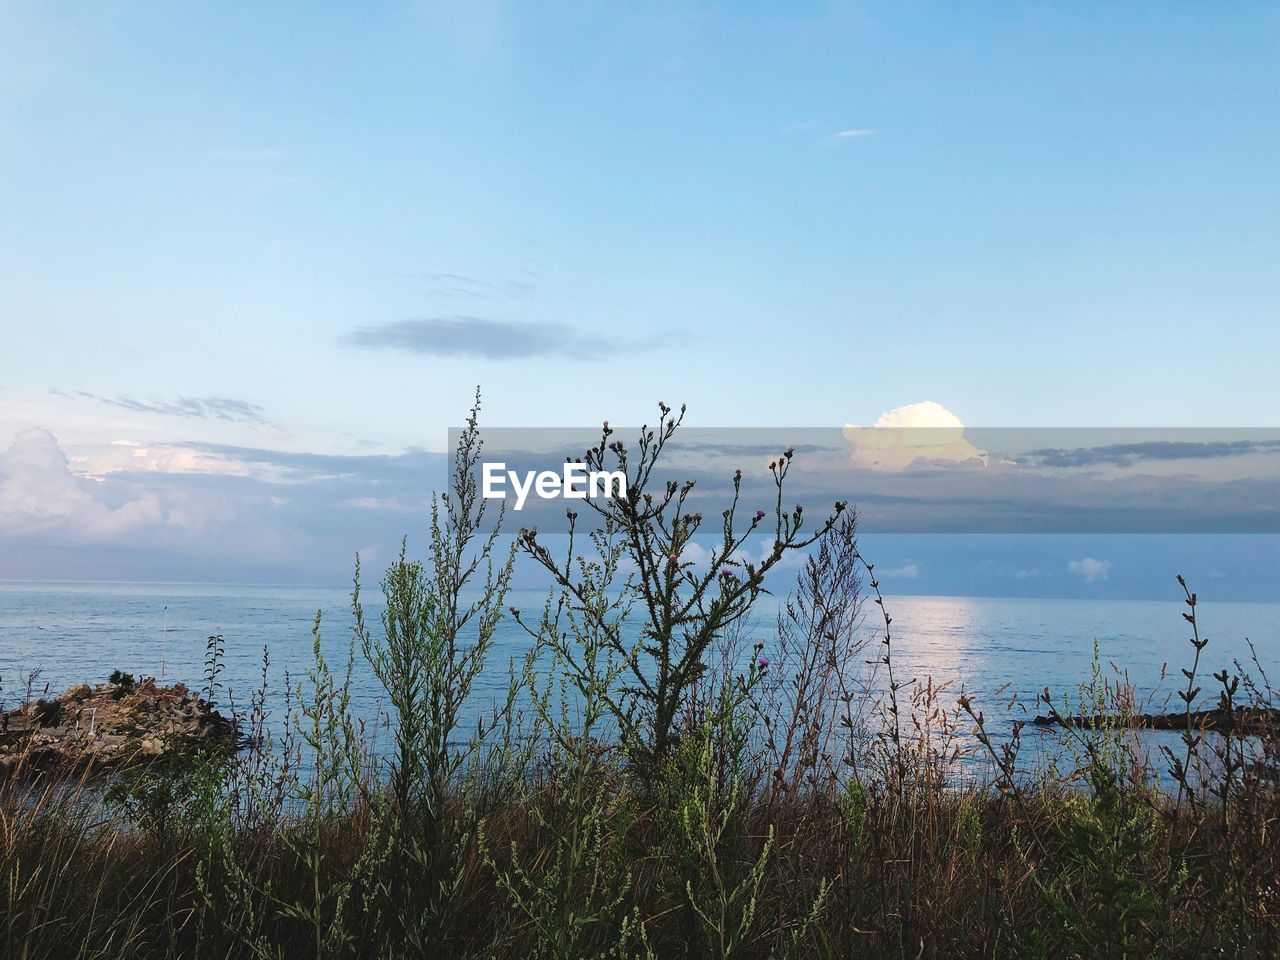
x=1242, y=720
x=108, y=724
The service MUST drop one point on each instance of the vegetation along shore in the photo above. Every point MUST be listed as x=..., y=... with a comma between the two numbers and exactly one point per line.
x=654, y=784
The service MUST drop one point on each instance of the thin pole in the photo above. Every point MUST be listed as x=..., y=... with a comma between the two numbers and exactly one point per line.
x=164, y=641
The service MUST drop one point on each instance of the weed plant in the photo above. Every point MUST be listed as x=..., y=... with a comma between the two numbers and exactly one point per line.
x=655, y=782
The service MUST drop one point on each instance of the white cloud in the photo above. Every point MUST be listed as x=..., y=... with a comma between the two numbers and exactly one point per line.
x=126, y=456
x=925, y=431
x=40, y=493
x=1090, y=569
x=854, y=133
x=925, y=414
x=192, y=510
x=908, y=571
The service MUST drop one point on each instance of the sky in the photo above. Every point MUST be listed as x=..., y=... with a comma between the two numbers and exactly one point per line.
x=255, y=258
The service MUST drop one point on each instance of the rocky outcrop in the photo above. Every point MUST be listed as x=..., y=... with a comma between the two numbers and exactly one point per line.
x=104, y=725
x=1242, y=720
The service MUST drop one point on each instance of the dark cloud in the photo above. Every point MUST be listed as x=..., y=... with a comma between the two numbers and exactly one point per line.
x=463, y=336
x=199, y=408
x=1127, y=454
x=191, y=408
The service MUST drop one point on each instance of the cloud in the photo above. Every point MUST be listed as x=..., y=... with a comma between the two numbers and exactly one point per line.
x=1091, y=570
x=462, y=336
x=908, y=571
x=191, y=408
x=39, y=494
x=925, y=432
x=854, y=133
x=926, y=414
x=406, y=471
x=127, y=457
x=1127, y=454
x=189, y=510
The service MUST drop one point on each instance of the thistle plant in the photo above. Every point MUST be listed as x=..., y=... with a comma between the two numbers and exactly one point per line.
x=685, y=608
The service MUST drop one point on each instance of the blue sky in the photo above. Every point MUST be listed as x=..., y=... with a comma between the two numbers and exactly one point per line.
x=313, y=228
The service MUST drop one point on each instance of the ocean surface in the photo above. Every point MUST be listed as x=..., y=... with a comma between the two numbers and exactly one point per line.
x=59, y=633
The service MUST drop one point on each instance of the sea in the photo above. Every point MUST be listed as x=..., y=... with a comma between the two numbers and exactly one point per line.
x=1002, y=652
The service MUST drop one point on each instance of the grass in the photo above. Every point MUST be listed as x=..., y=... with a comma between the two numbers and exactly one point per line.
x=654, y=786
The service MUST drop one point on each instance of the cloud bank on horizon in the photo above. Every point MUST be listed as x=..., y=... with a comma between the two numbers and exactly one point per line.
x=132, y=509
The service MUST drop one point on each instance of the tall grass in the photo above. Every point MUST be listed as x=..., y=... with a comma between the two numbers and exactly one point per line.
x=653, y=785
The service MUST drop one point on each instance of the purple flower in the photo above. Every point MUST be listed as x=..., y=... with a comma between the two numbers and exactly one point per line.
x=764, y=662
x=728, y=573
x=674, y=558
x=760, y=514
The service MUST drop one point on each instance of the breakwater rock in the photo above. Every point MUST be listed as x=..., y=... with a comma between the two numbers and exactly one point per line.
x=1241, y=720
x=108, y=724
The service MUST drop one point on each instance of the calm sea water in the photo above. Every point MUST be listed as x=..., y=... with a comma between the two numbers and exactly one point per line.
x=66, y=633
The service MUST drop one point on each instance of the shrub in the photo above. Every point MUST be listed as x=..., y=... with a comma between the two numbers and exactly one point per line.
x=122, y=684
x=48, y=713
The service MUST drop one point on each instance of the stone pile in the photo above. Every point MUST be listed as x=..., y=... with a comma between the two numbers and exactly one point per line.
x=110, y=723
